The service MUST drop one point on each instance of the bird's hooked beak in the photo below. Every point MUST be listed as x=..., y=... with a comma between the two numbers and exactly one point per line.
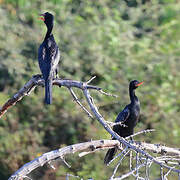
x=43, y=17
x=139, y=84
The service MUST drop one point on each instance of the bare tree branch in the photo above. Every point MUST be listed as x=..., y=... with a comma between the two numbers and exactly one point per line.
x=108, y=94
x=90, y=146
x=114, y=124
x=99, y=117
x=165, y=176
x=123, y=154
x=129, y=173
x=147, y=164
x=60, y=153
x=137, y=164
x=79, y=103
x=37, y=80
x=139, y=148
x=70, y=175
x=140, y=132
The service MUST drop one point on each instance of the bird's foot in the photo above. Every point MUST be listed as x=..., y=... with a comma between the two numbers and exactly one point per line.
x=131, y=140
x=57, y=78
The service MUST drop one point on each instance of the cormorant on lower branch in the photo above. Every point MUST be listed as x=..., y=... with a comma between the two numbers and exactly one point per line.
x=48, y=56
x=129, y=117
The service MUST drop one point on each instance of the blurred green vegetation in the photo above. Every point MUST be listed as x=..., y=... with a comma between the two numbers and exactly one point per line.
x=115, y=40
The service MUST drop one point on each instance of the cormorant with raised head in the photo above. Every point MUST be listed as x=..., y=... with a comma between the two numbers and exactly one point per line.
x=48, y=56
x=129, y=117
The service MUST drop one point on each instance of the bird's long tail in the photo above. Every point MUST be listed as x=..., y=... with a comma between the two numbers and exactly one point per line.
x=109, y=155
x=48, y=91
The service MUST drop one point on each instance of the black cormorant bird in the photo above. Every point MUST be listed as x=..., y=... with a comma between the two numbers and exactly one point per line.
x=129, y=117
x=48, y=56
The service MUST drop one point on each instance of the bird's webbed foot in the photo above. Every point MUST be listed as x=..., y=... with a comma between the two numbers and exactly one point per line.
x=56, y=77
x=131, y=139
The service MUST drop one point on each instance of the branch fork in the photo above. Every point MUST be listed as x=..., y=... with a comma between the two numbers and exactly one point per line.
x=140, y=148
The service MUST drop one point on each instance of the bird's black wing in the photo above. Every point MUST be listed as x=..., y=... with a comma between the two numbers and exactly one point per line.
x=54, y=53
x=42, y=57
x=53, y=48
x=123, y=115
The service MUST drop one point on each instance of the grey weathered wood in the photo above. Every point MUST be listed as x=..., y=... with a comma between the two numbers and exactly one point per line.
x=91, y=146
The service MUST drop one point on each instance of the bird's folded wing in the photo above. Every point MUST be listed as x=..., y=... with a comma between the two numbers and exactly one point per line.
x=123, y=115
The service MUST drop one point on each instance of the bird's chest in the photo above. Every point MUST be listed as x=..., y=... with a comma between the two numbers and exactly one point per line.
x=135, y=110
x=134, y=115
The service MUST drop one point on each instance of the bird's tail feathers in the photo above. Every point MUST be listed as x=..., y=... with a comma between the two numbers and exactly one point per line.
x=109, y=155
x=48, y=91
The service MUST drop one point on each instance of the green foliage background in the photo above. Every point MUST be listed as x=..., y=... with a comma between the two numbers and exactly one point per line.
x=117, y=41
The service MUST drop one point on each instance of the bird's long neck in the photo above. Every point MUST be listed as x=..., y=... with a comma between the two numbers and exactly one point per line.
x=49, y=31
x=132, y=95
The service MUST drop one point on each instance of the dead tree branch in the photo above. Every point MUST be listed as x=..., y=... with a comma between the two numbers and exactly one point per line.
x=91, y=146
x=130, y=145
x=139, y=148
x=37, y=80
x=60, y=153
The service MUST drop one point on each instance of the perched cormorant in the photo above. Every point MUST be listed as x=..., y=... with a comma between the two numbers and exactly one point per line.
x=48, y=56
x=129, y=117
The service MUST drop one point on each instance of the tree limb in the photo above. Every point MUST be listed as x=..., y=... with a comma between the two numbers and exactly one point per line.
x=91, y=146
x=99, y=117
x=60, y=153
x=37, y=80
x=138, y=147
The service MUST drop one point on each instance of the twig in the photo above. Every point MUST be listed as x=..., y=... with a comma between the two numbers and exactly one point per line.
x=165, y=176
x=130, y=160
x=120, y=154
x=79, y=103
x=147, y=168
x=28, y=177
x=71, y=175
x=66, y=163
x=129, y=173
x=51, y=165
x=168, y=158
x=161, y=172
x=91, y=79
x=114, y=124
x=122, y=157
x=137, y=164
x=140, y=132
x=107, y=94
